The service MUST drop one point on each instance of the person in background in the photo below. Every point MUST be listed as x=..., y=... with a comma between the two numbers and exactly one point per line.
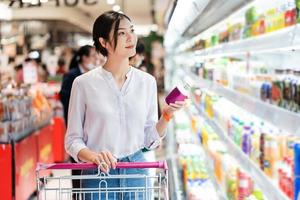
x=137, y=60
x=61, y=67
x=85, y=59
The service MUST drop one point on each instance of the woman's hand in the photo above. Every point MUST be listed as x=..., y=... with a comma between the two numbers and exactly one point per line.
x=104, y=159
x=173, y=107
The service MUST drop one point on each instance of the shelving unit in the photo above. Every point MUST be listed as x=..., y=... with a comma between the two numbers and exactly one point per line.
x=279, y=49
x=285, y=40
x=280, y=117
x=210, y=168
x=264, y=183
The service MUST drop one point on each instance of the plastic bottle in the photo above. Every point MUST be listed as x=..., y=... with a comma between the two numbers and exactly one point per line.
x=262, y=146
x=246, y=140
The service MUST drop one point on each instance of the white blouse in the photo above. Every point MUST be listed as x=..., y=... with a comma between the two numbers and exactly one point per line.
x=104, y=118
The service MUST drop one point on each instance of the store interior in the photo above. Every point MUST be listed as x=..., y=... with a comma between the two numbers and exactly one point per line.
x=237, y=62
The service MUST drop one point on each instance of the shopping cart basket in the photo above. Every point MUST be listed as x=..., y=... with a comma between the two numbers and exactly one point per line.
x=58, y=187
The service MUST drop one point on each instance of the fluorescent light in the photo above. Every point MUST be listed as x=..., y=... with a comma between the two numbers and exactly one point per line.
x=35, y=2
x=26, y=1
x=110, y=2
x=116, y=8
x=43, y=1
x=5, y=12
x=34, y=55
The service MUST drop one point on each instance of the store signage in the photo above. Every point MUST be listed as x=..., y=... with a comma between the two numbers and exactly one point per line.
x=68, y=3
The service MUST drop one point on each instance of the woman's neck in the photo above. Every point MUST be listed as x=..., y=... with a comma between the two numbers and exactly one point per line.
x=118, y=67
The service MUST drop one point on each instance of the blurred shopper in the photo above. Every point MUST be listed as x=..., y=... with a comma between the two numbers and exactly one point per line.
x=86, y=59
x=138, y=59
x=61, y=67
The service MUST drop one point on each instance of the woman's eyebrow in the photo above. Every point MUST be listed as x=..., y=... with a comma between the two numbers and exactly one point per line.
x=125, y=28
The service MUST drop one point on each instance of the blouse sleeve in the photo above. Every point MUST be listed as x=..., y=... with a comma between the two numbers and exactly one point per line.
x=74, y=137
x=152, y=138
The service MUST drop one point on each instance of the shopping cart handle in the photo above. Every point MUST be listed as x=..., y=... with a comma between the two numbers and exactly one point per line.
x=85, y=166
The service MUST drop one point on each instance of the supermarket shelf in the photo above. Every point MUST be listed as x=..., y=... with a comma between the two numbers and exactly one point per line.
x=210, y=169
x=286, y=39
x=27, y=132
x=268, y=188
x=176, y=191
x=283, y=119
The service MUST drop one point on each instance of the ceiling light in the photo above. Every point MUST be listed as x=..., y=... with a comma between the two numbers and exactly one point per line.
x=5, y=12
x=43, y=1
x=34, y=2
x=110, y=2
x=116, y=8
x=26, y=1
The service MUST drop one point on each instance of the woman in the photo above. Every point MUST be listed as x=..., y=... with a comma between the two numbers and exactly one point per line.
x=113, y=109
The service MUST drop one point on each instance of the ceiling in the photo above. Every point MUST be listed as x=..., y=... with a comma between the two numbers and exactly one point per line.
x=83, y=16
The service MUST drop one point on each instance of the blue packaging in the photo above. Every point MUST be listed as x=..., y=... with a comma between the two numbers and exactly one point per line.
x=297, y=171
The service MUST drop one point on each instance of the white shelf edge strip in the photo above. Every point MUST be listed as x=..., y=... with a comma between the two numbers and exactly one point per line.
x=281, y=118
x=264, y=183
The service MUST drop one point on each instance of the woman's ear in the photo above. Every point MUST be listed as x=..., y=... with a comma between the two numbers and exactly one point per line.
x=103, y=42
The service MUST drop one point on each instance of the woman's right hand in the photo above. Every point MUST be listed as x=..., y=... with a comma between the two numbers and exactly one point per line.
x=105, y=160
x=99, y=159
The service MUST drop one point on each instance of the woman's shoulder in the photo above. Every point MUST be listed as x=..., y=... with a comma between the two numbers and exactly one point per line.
x=143, y=75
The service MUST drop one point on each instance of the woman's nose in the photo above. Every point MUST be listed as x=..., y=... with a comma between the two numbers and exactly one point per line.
x=130, y=37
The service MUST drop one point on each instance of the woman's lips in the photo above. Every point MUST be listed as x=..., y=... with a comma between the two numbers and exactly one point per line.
x=130, y=47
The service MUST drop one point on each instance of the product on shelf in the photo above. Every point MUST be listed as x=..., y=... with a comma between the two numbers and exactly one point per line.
x=237, y=184
x=281, y=89
x=195, y=177
x=264, y=17
x=271, y=149
x=21, y=109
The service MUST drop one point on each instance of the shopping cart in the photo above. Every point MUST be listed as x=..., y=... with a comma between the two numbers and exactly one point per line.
x=58, y=187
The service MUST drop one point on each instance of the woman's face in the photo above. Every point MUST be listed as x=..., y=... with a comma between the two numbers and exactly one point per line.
x=127, y=40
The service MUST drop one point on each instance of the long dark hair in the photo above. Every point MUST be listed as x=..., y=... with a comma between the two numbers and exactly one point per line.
x=77, y=58
x=103, y=25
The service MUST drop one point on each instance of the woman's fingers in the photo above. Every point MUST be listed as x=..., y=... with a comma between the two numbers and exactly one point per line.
x=112, y=160
x=175, y=106
x=180, y=103
x=104, y=167
x=106, y=159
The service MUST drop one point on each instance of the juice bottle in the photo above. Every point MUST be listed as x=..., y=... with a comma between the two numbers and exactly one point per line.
x=271, y=150
x=231, y=184
x=282, y=142
x=298, y=10
x=246, y=140
x=255, y=151
x=262, y=147
x=239, y=133
x=243, y=185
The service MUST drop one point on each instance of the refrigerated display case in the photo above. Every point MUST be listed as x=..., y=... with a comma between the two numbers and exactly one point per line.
x=233, y=66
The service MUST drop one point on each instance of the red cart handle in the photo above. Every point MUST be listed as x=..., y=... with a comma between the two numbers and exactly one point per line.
x=85, y=166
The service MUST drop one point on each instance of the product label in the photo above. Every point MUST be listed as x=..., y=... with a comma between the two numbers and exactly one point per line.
x=267, y=164
x=243, y=184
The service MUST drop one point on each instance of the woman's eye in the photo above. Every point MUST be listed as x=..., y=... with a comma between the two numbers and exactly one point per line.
x=132, y=30
x=121, y=33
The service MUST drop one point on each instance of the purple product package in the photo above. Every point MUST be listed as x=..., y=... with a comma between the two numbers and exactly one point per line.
x=175, y=95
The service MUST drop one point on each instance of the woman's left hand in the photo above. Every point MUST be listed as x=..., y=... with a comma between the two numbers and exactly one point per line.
x=173, y=107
